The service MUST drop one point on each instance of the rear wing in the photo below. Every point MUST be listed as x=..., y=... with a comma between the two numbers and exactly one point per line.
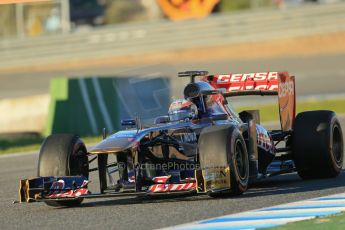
x=268, y=83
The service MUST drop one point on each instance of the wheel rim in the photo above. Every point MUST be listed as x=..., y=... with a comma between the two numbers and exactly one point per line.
x=79, y=163
x=240, y=160
x=337, y=146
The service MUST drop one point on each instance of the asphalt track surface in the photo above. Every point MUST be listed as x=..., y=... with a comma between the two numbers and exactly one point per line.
x=144, y=213
x=320, y=74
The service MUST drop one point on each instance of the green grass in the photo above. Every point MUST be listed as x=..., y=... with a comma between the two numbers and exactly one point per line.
x=334, y=222
x=268, y=112
x=19, y=142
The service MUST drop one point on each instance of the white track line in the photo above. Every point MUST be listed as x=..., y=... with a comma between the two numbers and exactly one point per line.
x=273, y=216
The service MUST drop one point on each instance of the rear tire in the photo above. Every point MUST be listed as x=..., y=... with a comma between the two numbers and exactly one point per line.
x=317, y=144
x=63, y=155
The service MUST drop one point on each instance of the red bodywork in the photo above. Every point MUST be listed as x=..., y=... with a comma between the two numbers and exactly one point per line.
x=280, y=82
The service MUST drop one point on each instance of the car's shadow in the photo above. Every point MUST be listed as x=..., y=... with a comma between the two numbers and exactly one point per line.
x=284, y=184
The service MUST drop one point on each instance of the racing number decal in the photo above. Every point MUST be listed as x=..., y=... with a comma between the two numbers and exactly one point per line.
x=185, y=9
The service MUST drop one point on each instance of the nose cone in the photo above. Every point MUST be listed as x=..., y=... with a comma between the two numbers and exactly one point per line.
x=115, y=143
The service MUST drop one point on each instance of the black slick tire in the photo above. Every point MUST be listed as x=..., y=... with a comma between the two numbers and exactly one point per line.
x=63, y=155
x=317, y=144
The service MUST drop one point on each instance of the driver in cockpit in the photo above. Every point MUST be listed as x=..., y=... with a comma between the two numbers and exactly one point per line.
x=182, y=110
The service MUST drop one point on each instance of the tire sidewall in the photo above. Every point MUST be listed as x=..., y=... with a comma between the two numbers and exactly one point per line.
x=332, y=161
x=238, y=184
x=78, y=153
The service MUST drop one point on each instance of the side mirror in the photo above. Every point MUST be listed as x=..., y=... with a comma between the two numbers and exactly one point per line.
x=128, y=122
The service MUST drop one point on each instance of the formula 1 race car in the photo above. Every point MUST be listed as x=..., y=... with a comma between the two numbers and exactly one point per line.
x=201, y=147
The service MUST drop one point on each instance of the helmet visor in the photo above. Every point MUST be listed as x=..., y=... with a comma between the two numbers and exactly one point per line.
x=179, y=115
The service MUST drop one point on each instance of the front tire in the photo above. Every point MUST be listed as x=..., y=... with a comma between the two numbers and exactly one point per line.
x=219, y=145
x=317, y=144
x=239, y=163
x=63, y=155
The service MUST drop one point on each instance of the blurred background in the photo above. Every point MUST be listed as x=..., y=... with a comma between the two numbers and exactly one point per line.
x=32, y=18
x=77, y=66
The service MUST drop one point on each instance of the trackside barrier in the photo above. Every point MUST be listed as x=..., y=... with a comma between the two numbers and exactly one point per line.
x=87, y=105
x=161, y=36
x=23, y=114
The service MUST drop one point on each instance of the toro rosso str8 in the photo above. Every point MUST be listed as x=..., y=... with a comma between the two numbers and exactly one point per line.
x=201, y=147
